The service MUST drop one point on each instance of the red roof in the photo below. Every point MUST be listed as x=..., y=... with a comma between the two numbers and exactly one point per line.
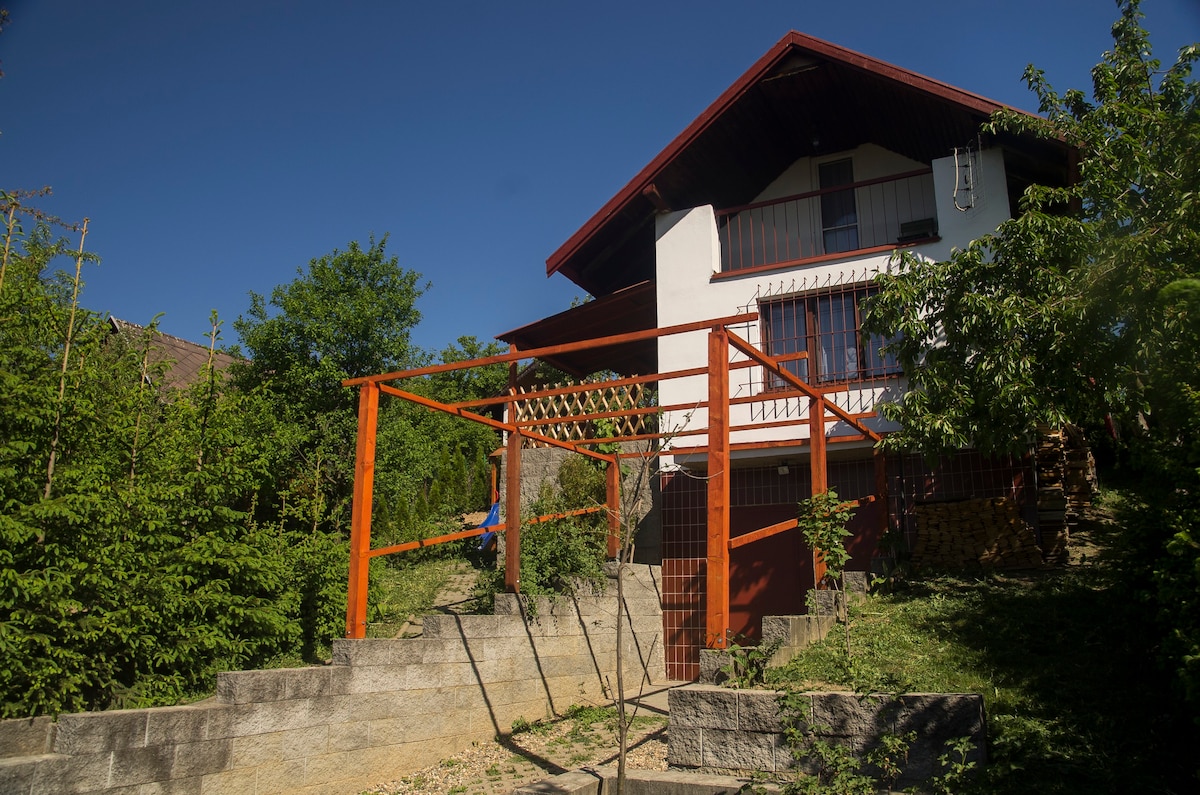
x=185, y=360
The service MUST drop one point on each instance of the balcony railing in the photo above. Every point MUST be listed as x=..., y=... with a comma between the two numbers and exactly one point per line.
x=873, y=214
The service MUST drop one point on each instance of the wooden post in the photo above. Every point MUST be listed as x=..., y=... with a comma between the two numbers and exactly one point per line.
x=717, y=577
x=494, y=472
x=820, y=477
x=612, y=494
x=512, y=491
x=360, y=511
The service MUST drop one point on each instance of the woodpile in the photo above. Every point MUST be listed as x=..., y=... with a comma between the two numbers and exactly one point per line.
x=1066, y=476
x=979, y=532
x=1079, y=480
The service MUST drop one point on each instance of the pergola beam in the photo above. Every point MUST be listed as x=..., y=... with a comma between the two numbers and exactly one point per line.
x=512, y=492
x=515, y=355
x=360, y=511
x=718, y=450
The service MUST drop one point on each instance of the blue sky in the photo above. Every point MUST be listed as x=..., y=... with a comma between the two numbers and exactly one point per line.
x=218, y=146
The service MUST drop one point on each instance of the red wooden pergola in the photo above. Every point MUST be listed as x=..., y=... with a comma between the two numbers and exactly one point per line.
x=718, y=450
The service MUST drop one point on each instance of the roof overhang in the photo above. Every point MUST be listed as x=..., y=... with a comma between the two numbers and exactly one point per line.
x=629, y=309
x=804, y=97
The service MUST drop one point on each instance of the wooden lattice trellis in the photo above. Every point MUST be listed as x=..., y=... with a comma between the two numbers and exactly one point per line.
x=546, y=413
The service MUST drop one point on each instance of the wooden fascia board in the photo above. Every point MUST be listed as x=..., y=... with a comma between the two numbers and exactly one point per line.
x=898, y=74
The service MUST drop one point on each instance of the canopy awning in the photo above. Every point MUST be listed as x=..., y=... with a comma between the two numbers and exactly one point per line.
x=630, y=309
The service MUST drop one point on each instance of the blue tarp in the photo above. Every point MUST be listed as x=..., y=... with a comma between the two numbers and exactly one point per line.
x=488, y=540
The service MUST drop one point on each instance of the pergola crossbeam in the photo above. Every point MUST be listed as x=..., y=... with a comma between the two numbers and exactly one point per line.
x=717, y=451
x=516, y=355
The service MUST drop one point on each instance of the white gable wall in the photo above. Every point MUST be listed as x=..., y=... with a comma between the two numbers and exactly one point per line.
x=688, y=254
x=870, y=162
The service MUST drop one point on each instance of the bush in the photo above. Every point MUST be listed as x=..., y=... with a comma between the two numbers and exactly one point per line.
x=559, y=553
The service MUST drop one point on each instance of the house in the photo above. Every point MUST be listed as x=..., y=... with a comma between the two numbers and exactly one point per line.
x=785, y=197
x=184, y=361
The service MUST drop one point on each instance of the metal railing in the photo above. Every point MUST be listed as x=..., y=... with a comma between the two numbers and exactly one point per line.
x=885, y=213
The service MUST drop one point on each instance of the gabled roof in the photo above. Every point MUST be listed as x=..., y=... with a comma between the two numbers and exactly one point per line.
x=804, y=97
x=185, y=360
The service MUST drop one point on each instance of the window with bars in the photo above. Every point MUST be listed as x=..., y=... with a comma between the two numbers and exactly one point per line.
x=827, y=326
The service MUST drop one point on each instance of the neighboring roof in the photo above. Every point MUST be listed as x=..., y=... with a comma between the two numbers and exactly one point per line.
x=186, y=360
x=803, y=97
x=630, y=309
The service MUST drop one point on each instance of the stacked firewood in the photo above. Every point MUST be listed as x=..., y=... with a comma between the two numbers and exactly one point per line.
x=1054, y=519
x=980, y=532
x=1066, y=477
x=1079, y=478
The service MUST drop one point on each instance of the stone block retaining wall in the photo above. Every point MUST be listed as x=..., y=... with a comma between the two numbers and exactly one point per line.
x=383, y=709
x=717, y=728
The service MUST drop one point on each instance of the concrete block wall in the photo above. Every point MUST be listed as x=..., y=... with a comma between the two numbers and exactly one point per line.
x=789, y=634
x=717, y=728
x=539, y=466
x=384, y=708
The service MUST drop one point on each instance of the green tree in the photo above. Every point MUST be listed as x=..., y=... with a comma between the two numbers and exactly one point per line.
x=1057, y=314
x=139, y=574
x=1082, y=306
x=351, y=313
x=474, y=382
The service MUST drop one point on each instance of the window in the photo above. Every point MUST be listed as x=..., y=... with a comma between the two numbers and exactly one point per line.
x=839, y=213
x=826, y=326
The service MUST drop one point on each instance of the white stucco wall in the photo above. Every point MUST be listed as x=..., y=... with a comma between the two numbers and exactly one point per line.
x=990, y=210
x=688, y=255
x=870, y=162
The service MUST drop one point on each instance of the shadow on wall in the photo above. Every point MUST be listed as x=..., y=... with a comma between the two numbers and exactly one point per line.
x=385, y=708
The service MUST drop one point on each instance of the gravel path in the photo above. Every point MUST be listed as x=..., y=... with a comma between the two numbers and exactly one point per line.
x=546, y=749
x=586, y=737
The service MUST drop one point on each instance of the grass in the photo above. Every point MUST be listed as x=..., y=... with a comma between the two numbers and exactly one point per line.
x=1073, y=700
x=400, y=591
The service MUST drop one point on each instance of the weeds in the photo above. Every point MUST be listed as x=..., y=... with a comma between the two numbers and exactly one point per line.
x=955, y=768
x=1069, y=698
x=747, y=665
x=891, y=756
x=523, y=726
x=400, y=590
x=560, y=555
